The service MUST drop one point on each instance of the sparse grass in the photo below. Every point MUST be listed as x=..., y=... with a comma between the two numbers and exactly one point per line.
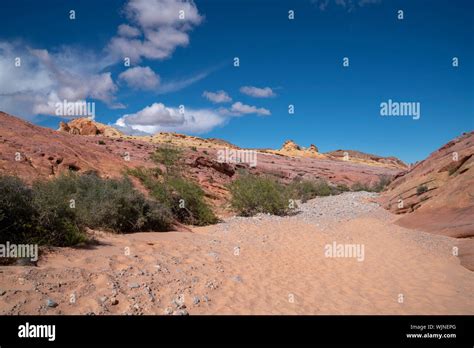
x=168, y=156
x=384, y=181
x=307, y=189
x=358, y=186
x=342, y=188
x=254, y=194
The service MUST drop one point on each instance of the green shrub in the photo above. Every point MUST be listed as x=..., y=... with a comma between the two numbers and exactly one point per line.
x=17, y=213
x=421, y=189
x=254, y=194
x=307, y=189
x=358, y=186
x=109, y=204
x=384, y=181
x=57, y=211
x=101, y=142
x=168, y=156
x=184, y=198
x=341, y=188
x=36, y=216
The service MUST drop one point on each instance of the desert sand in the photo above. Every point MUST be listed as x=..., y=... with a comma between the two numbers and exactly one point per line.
x=259, y=265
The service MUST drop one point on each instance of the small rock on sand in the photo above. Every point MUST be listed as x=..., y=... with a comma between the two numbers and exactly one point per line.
x=51, y=303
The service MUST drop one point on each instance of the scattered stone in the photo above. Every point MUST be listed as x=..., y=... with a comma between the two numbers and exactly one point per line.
x=168, y=311
x=2, y=292
x=181, y=312
x=114, y=301
x=196, y=300
x=133, y=285
x=206, y=299
x=51, y=303
x=237, y=279
x=103, y=299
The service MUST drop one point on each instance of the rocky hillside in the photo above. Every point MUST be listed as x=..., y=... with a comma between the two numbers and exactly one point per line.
x=437, y=194
x=32, y=152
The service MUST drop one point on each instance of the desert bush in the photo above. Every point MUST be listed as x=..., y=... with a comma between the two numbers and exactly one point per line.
x=421, y=189
x=341, y=188
x=358, y=186
x=384, y=181
x=57, y=211
x=168, y=156
x=184, y=198
x=254, y=194
x=108, y=204
x=17, y=213
x=32, y=216
x=307, y=189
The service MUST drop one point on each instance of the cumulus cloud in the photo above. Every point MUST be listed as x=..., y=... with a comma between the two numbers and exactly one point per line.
x=153, y=29
x=44, y=79
x=164, y=25
x=257, y=92
x=217, y=97
x=140, y=78
x=160, y=118
x=239, y=109
x=126, y=30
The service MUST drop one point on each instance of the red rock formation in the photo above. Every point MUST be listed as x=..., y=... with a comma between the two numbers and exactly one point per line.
x=437, y=194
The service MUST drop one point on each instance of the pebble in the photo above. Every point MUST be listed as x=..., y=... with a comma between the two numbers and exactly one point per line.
x=50, y=303
x=237, y=279
x=133, y=285
x=114, y=302
x=196, y=300
x=168, y=311
x=181, y=312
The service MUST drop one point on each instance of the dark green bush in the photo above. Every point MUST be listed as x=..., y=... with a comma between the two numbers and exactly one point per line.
x=254, y=194
x=17, y=213
x=108, y=204
x=421, y=189
x=56, y=212
x=184, y=198
x=36, y=216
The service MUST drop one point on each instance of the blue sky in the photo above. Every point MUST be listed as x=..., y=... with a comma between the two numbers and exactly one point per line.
x=299, y=62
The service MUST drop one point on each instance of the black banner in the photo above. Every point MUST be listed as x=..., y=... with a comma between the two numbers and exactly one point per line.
x=208, y=330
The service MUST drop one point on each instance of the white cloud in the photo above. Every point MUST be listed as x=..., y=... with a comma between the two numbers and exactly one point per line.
x=217, y=97
x=159, y=118
x=257, y=92
x=126, y=30
x=140, y=78
x=43, y=79
x=162, y=26
x=239, y=109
